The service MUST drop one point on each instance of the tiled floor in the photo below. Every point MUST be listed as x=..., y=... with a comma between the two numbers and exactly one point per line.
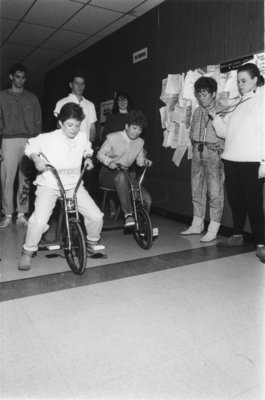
x=186, y=322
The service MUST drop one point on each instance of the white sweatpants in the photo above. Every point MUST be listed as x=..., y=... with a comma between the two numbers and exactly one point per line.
x=44, y=204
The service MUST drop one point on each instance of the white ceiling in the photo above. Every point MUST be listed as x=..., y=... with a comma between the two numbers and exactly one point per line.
x=43, y=33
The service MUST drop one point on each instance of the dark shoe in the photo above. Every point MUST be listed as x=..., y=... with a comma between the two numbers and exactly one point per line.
x=261, y=254
x=25, y=260
x=129, y=221
x=232, y=241
x=95, y=249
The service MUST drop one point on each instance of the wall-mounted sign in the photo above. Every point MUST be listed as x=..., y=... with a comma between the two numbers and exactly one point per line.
x=105, y=109
x=140, y=55
x=228, y=66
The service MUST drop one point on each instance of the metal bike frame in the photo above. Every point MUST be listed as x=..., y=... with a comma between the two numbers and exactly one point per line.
x=65, y=200
x=135, y=190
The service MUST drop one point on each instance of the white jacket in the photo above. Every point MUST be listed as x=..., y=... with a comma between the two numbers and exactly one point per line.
x=244, y=129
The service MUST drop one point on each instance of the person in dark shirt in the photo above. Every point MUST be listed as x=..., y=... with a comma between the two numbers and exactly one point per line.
x=116, y=121
x=20, y=119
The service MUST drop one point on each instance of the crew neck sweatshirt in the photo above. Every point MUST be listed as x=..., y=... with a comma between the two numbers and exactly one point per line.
x=20, y=114
x=243, y=129
x=118, y=147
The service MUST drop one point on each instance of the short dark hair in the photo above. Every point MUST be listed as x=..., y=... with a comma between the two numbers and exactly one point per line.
x=205, y=83
x=17, y=67
x=71, y=110
x=253, y=71
x=136, y=117
x=76, y=74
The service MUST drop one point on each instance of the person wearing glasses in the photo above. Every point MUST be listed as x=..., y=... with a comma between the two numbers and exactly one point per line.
x=116, y=121
x=243, y=129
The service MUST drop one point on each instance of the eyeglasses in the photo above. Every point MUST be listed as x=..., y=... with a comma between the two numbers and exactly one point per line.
x=122, y=99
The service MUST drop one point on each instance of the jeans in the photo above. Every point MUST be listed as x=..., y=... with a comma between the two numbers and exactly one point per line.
x=207, y=179
x=116, y=179
x=44, y=204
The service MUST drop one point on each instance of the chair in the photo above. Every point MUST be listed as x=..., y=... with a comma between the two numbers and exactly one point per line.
x=104, y=206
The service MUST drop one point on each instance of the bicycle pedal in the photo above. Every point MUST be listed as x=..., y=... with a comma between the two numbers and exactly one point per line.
x=53, y=247
x=155, y=232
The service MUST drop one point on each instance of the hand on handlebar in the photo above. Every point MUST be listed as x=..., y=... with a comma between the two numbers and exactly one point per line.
x=40, y=164
x=148, y=163
x=88, y=164
x=113, y=165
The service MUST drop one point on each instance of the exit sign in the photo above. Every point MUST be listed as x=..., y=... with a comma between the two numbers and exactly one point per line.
x=140, y=55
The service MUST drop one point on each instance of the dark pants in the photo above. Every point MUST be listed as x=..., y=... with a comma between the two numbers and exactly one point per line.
x=245, y=196
x=115, y=179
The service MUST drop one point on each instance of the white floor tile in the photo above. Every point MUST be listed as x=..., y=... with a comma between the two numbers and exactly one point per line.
x=189, y=333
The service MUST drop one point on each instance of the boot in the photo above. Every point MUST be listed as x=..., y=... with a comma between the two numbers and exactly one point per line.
x=25, y=260
x=196, y=227
x=211, y=232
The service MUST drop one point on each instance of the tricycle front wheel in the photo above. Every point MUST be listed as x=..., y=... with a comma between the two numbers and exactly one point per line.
x=76, y=256
x=143, y=232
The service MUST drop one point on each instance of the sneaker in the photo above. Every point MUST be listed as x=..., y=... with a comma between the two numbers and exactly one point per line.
x=25, y=260
x=21, y=220
x=95, y=249
x=232, y=241
x=5, y=221
x=261, y=254
x=129, y=221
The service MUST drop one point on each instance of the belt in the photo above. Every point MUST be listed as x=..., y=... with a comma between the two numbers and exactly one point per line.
x=207, y=144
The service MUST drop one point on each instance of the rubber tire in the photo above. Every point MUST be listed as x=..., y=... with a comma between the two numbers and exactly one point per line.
x=145, y=228
x=77, y=256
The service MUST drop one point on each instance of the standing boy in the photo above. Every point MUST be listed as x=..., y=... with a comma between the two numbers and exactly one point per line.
x=20, y=119
x=207, y=170
x=88, y=125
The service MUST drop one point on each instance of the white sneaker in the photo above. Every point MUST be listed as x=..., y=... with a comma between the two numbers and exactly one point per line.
x=96, y=249
x=212, y=232
x=196, y=228
x=5, y=221
x=21, y=220
x=208, y=237
x=193, y=230
x=129, y=221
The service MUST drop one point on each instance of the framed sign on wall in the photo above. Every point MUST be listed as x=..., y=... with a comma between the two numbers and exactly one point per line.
x=105, y=109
